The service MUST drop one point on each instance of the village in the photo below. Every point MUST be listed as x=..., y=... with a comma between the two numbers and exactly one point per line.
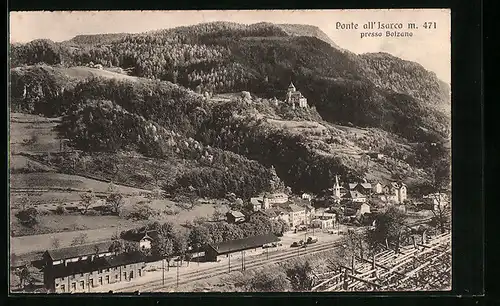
x=309, y=226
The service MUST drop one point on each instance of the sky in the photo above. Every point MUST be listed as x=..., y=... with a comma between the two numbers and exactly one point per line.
x=429, y=47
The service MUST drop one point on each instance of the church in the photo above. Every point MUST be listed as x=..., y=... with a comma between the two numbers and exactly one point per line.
x=295, y=97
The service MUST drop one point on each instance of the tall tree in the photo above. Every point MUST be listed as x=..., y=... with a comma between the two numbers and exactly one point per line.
x=116, y=247
x=441, y=190
x=115, y=199
x=87, y=200
x=26, y=275
x=163, y=246
x=300, y=276
x=390, y=227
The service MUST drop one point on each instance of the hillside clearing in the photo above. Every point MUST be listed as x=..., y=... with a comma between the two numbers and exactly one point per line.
x=60, y=180
x=81, y=72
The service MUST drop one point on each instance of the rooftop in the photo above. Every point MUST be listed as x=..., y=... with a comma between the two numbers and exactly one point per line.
x=256, y=201
x=80, y=250
x=97, y=264
x=236, y=214
x=243, y=244
x=295, y=208
x=355, y=194
x=141, y=235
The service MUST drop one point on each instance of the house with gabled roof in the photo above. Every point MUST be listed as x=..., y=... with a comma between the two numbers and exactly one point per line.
x=396, y=192
x=143, y=240
x=234, y=216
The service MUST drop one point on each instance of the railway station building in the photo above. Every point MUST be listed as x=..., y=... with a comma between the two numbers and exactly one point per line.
x=254, y=244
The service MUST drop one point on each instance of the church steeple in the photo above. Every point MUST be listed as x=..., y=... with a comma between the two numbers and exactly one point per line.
x=336, y=187
x=291, y=87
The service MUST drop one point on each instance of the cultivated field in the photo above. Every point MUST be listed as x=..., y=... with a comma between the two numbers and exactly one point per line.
x=30, y=133
x=99, y=228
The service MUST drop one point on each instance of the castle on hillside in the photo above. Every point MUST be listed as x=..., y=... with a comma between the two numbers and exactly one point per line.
x=295, y=97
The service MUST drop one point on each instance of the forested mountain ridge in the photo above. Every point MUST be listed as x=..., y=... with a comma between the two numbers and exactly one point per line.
x=396, y=74
x=180, y=70
x=94, y=39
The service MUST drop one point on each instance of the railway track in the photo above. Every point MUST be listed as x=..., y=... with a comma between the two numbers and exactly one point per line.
x=254, y=262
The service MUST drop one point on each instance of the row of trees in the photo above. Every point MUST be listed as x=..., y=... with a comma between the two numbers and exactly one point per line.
x=173, y=242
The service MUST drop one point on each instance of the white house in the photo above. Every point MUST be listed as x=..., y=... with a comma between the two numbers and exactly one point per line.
x=323, y=223
x=306, y=196
x=377, y=188
x=436, y=200
x=268, y=200
x=362, y=208
x=396, y=192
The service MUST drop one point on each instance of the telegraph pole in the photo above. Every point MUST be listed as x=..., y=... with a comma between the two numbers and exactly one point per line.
x=163, y=271
x=177, y=285
x=229, y=262
x=242, y=261
x=305, y=238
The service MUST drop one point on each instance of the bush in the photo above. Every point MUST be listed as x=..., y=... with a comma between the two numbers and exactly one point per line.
x=80, y=239
x=141, y=211
x=93, y=212
x=28, y=217
x=60, y=210
x=268, y=282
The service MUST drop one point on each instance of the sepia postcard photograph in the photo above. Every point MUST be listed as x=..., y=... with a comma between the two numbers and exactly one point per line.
x=230, y=151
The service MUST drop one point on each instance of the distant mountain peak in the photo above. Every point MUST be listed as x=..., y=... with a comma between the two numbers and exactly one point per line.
x=307, y=30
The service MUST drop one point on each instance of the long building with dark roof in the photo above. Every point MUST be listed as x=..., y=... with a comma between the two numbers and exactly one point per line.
x=84, y=267
x=214, y=251
x=90, y=274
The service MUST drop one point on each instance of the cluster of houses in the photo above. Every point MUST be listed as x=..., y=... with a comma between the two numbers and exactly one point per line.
x=278, y=206
x=295, y=212
x=394, y=192
x=299, y=211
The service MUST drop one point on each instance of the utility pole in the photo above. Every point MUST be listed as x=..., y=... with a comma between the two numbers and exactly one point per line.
x=305, y=239
x=163, y=271
x=229, y=262
x=267, y=253
x=177, y=285
x=242, y=263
